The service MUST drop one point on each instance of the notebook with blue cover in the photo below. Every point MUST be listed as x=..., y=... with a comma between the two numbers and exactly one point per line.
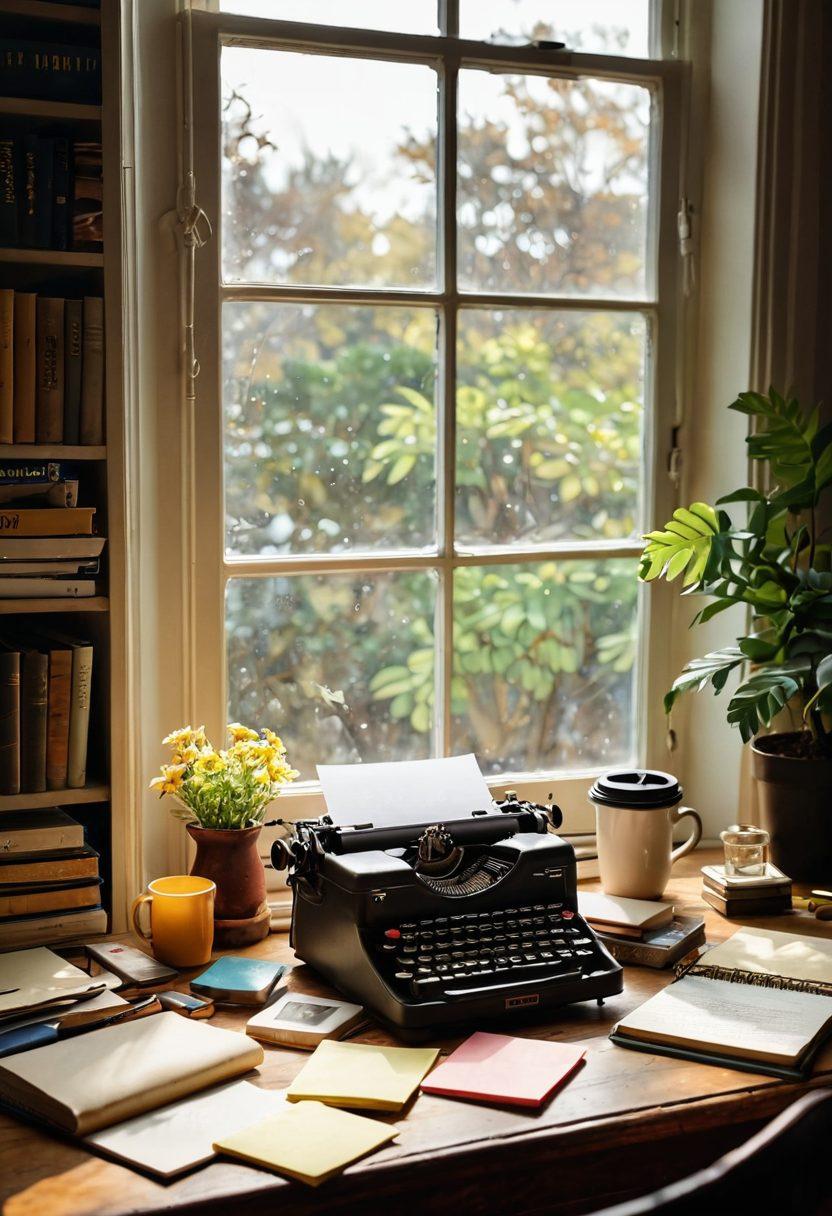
x=239, y=981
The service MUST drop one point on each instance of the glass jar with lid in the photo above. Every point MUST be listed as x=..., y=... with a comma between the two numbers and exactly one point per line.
x=746, y=849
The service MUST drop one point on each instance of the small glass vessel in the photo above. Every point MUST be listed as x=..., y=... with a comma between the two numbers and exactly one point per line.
x=745, y=849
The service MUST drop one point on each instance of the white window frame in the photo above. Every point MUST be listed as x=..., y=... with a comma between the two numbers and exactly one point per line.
x=667, y=314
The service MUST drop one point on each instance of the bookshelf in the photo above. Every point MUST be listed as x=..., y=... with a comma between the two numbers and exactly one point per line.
x=101, y=805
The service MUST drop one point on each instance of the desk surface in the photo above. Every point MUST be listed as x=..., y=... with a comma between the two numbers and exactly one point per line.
x=625, y=1123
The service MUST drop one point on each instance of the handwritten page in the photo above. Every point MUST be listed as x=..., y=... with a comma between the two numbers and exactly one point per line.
x=407, y=791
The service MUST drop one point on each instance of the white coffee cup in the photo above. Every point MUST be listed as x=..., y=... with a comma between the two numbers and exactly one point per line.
x=635, y=814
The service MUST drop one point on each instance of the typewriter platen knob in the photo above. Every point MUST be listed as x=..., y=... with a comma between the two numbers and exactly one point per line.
x=282, y=856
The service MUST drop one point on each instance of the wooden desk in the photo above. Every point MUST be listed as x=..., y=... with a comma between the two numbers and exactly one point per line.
x=626, y=1123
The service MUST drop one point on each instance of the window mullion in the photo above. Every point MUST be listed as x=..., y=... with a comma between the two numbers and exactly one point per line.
x=446, y=431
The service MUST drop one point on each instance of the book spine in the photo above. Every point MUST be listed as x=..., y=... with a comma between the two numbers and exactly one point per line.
x=25, y=366
x=49, y=870
x=57, y=734
x=42, y=902
x=79, y=717
x=6, y=365
x=92, y=372
x=50, y=354
x=54, y=71
x=46, y=521
x=60, y=927
x=9, y=202
x=73, y=348
x=9, y=722
x=21, y=587
x=44, y=190
x=60, y=194
x=33, y=717
x=28, y=192
x=21, y=472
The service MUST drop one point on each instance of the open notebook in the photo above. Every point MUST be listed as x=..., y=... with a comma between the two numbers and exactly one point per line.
x=761, y=1001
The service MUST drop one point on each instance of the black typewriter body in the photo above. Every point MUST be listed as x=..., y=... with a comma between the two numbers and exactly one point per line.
x=436, y=924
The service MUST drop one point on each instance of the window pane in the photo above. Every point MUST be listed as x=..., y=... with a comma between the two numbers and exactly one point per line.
x=550, y=409
x=544, y=664
x=552, y=185
x=404, y=16
x=612, y=27
x=341, y=665
x=330, y=433
x=328, y=169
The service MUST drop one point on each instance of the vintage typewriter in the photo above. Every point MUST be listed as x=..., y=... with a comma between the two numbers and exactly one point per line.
x=431, y=924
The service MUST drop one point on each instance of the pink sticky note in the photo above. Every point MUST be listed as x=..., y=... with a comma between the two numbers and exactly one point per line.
x=503, y=1069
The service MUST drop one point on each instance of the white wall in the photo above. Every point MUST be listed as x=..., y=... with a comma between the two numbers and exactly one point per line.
x=710, y=753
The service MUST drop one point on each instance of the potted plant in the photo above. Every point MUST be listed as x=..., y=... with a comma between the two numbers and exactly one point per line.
x=223, y=795
x=778, y=565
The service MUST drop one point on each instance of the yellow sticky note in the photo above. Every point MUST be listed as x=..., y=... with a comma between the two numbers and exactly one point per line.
x=307, y=1141
x=361, y=1075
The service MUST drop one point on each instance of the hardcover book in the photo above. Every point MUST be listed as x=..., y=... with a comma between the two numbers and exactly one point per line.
x=52, y=71
x=6, y=365
x=25, y=368
x=9, y=200
x=50, y=370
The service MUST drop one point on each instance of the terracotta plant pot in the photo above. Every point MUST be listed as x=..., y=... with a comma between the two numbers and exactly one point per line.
x=230, y=857
x=795, y=805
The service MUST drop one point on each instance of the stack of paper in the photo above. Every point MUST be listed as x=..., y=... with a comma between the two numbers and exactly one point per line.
x=362, y=1076
x=500, y=1068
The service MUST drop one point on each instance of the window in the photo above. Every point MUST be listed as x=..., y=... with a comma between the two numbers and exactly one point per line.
x=436, y=329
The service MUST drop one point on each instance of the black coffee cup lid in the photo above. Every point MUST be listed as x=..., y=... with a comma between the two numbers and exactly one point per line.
x=639, y=789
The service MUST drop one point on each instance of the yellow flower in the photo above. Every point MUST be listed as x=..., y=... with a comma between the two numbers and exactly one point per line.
x=170, y=780
x=274, y=739
x=186, y=755
x=210, y=762
x=178, y=739
x=239, y=733
x=281, y=773
x=261, y=776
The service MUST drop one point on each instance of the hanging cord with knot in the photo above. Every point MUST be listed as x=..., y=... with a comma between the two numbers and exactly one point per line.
x=196, y=231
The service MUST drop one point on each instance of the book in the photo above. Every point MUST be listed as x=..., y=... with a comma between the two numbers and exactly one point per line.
x=309, y=1142
x=44, y=191
x=766, y=905
x=49, y=547
x=32, y=981
x=20, y=587
x=773, y=881
x=658, y=948
x=28, y=186
x=303, y=1021
x=49, y=410
x=40, y=494
x=60, y=194
x=34, y=708
x=503, y=1069
x=54, y=928
x=25, y=366
x=40, y=831
x=623, y=917
x=759, y=1001
x=49, y=867
x=88, y=197
x=46, y=521
x=73, y=342
x=35, y=899
x=74, y=1085
x=22, y=472
x=92, y=372
x=181, y=1136
x=9, y=720
x=57, y=721
x=51, y=568
x=79, y=714
x=9, y=202
x=235, y=980
x=362, y=1075
x=50, y=71
x=6, y=365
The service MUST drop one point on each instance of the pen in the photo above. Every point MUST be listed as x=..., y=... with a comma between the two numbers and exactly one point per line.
x=40, y=1034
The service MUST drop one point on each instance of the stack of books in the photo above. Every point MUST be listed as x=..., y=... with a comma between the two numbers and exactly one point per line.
x=45, y=695
x=51, y=192
x=641, y=932
x=50, y=887
x=747, y=894
x=47, y=548
x=51, y=369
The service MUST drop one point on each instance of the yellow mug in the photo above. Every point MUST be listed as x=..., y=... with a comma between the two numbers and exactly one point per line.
x=181, y=919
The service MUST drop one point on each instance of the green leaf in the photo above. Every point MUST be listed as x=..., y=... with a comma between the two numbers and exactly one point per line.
x=401, y=467
x=784, y=438
x=760, y=699
x=748, y=494
x=685, y=544
x=713, y=668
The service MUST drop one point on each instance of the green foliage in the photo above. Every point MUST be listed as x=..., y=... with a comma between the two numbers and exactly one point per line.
x=771, y=566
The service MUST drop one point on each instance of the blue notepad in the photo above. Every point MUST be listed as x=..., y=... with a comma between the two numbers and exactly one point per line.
x=239, y=981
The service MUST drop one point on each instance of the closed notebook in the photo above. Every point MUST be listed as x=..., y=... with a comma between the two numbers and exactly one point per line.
x=361, y=1075
x=105, y=1076
x=239, y=981
x=502, y=1069
x=629, y=917
x=31, y=980
x=309, y=1141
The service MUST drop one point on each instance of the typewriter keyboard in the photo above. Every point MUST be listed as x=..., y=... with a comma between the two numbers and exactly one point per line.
x=450, y=956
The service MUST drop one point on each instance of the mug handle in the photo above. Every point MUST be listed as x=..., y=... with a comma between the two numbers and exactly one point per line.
x=677, y=814
x=135, y=916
